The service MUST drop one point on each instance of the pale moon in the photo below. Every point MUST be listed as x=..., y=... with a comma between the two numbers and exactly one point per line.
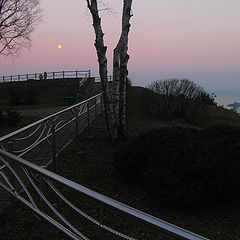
x=59, y=46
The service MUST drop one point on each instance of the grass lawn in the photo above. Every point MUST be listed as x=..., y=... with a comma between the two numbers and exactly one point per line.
x=89, y=162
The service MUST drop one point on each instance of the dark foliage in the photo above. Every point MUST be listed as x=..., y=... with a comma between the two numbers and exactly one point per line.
x=177, y=98
x=13, y=117
x=184, y=167
x=24, y=96
x=9, y=117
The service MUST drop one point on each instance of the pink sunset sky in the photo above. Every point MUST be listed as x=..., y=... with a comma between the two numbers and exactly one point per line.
x=195, y=39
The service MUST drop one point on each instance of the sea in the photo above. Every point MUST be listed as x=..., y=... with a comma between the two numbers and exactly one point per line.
x=224, y=101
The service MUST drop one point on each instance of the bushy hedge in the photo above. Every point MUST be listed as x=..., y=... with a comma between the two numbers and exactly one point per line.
x=177, y=98
x=24, y=96
x=184, y=167
x=9, y=116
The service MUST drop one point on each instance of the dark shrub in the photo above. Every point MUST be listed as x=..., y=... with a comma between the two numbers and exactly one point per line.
x=184, y=167
x=25, y=96
x=178, y=98
x=13, y=117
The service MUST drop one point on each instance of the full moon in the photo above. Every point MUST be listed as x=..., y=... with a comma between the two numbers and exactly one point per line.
x=59, y=46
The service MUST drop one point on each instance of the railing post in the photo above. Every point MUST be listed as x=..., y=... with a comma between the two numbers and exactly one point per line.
x=95, y=107
x=27, y=76
x=63, y=74
x=77, y=123
x=19, y=78
x=88, y=120
x=76, y=73
x=35, y=76
x=12, y=198
x=11, y=78
x=3, y=79
x=101, y=103
x=53, y=75
x=53, y=142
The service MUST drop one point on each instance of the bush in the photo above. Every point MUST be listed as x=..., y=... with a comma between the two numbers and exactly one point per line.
x=13, y=117
x=174, y=98
x=183, y=167
x=24, y=96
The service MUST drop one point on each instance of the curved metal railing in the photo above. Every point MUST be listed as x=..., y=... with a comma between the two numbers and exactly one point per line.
x=11, y=165
x=48, y=131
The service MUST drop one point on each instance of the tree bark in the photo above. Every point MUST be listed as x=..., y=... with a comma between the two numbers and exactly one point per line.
x=120, y=72
x=102, y=60
x=115, y=105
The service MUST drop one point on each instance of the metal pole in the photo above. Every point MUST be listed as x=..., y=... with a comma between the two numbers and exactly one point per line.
x=12, y=198
x=76, y=74
x=95, y=108
x=53, y=75
x=88, y=120
x=77, y=124
x=63, y=74
x=53, y=145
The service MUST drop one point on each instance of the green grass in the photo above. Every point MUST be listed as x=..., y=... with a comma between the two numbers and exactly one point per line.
x=89, y=161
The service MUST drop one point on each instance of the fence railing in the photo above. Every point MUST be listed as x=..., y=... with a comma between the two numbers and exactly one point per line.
x=56, y=199
x=76, y=199
x=44, y=76
x=47, y=133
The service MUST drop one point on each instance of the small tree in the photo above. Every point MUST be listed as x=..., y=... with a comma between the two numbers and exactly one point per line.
x=178, y=98
x=18, y=19
x=115, y=102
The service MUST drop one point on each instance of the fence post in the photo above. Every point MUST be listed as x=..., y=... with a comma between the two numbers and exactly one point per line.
x=63, y=74
x=27, y=76
x=77, y=118
x=88, y=120
x=11, y=78
x=76, y=73
x=19, y=78
x=53, y=75
x=35, y=76
x=3, y=79
x=101, y=102
x=95, y=107
x=53, y=142
x=12, y=198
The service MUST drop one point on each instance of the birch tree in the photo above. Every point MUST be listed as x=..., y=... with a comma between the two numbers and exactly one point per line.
x=18, y=19
x=114, y=98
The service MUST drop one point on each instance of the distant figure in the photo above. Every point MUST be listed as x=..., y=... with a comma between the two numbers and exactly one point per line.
x=45, y=76
x=40, y=77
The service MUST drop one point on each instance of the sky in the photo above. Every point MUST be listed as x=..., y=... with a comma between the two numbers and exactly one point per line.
x=194, y=39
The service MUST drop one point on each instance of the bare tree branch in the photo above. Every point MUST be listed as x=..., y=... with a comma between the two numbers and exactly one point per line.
x=18, y=19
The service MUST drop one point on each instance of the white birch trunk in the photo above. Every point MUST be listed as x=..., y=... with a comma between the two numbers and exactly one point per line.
x=115, y=106
x=120, y=72
x=102, y=60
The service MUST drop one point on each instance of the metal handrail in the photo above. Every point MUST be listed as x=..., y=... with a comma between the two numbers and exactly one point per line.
x=173, y=229
x=10, y=135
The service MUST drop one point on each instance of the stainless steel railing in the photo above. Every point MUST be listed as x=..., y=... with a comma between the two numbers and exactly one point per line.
x=37, y=178
x=47, y=133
